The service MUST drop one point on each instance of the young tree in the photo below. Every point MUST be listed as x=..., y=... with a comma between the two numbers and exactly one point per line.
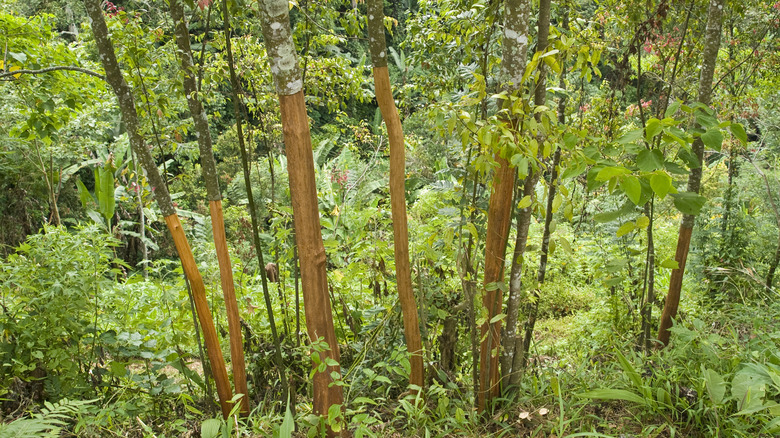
x=515, y=347
x=127, y=108
x=709, y=59
x=209, y=168
x=303, y=191
x=515, y=50
x=384, y=98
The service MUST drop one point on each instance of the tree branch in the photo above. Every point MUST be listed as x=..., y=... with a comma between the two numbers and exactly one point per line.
x=48, y=69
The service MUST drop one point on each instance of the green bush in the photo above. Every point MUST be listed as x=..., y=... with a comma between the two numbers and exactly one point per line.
x=51, y=289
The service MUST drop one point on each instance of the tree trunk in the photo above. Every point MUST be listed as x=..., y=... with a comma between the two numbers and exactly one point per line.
x=516, y=350
x=209, y=168
x=384, y=98
x=130, y=118
x=515, y=49
x=709, y=59
x=303, y=191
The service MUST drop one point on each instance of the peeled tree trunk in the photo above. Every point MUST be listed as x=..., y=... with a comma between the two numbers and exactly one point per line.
x=384, y=98
x=515, y=50
x=124, y=95
x=709, y=59
x=209, y=168
x=303, y=191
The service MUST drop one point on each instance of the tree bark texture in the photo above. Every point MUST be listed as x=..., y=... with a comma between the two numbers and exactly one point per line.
x=515, y=348
x=499, y=220
x=513, y=64
x=130, y=118
x=709, y=59
x=384, y=98
x=303, y=191
x=209, y=169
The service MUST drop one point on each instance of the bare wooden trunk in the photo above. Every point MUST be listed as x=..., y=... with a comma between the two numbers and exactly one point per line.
x=308, y=237
x=499, y=220
x=129, y=116
x=208, y=166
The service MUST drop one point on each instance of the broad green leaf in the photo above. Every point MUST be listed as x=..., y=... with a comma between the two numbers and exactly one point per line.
x=288, y=425
x=610, y=172
x=574, y=170
x=631, y=136
x=525, y=202
x=565, y=244
x=661, y=183
x=607, y=216
x=613, y=394
x=748, y=388
x=739, y=131
x=632, y=188
x=84, y=194
x=649, y=160
x=690, y=160
x=642, y=221
x=689, y=202
x=670, y=264
x=497, y=318
x=652, y=128
x=210, y=428
x=706, y=120
x=629, y=370
x=672, y=109
x=557, y=202
x=625, y=229
x=716, y=386
x=713, y=139
x=675, y=168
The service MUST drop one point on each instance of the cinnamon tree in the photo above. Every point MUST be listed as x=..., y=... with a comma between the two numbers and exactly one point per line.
x=283, y=58
x=127, y=108
x=395, y=134
x=209, y=169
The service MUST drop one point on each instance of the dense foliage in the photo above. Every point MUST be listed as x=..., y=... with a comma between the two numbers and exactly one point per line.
x=98, y=335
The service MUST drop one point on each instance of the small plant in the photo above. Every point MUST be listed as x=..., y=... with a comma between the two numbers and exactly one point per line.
x=48, y=423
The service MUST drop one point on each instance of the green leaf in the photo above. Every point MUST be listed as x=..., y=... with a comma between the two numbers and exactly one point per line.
x=525, y=202
x=632, y=188
x=288, y=425
x=642, y=221
x=629, y=370
x=104, y=191
x=690, y=160
x=661, y=183
x=652, y=128
x=210, y=428
x=672, y=109
x=574, y=170
x=614, y=394
x=497, y=318
x=689, y=202
x=739, y=131
x=84, y=194
x=625, y=229
x=670, y=264
x=609, y=172
x=716, y=386
x=21, y=57
x=607, y=216
x=713, y=139
x=748, y=388
x=706, y=120
x=631, y=136
x=649, y=160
